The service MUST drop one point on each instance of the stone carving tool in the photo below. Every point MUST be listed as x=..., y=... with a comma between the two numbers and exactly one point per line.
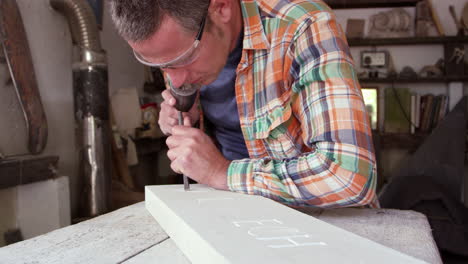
x=185, y=97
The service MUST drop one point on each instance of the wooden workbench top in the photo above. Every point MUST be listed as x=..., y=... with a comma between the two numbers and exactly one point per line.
x=131, y=235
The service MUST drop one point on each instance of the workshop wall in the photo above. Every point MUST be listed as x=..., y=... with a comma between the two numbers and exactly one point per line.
x=125, y=72
x=50, y=45
x=416, y=56
x=51, y=48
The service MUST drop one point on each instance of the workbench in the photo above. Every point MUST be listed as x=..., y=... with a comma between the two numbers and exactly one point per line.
x=132, y=235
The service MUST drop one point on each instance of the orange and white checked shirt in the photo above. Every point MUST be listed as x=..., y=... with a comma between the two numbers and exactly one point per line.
x=301, y=110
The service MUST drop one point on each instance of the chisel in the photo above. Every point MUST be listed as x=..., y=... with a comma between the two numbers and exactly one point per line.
x=185, y=97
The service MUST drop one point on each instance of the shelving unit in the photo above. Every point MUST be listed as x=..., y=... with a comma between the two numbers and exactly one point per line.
x=344, y=4
x=417, y=80
x=26, y=170
x=408, y=141
x=400, y=140
x=389, y=145
x=411, y=41
x=361, y=42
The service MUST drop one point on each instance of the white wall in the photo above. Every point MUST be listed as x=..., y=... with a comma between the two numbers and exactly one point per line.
x=405, y=55
x=51, y=49
x=50, y=45
x=124, y=71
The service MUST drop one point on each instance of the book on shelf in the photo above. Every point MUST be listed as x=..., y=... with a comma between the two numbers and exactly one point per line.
x=397, y=110
x=418, y=111
x=407, y=112
x=443, y=108
x=413, y=114
x=426, y=110
x=433, y=109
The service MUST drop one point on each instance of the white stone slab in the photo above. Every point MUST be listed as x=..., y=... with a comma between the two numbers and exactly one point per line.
x=211, y=226
x=35, y=208
x=43, y=206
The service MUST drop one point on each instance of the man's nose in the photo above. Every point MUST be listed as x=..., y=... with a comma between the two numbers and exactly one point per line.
x=178, y=76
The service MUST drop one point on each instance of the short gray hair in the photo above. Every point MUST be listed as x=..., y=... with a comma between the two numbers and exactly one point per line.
x=137, y=20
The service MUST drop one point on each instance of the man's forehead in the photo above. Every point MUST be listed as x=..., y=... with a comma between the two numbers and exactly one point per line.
x=167, y=42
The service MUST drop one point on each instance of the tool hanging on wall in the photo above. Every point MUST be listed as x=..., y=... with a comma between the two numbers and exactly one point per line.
x=18, y=57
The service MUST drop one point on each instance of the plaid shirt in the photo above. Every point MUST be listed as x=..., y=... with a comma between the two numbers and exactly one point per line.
x=301, y=110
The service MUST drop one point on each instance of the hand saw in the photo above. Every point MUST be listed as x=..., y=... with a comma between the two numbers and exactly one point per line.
x=18, y=56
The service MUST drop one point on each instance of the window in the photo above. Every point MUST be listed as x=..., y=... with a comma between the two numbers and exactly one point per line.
x=371, y=100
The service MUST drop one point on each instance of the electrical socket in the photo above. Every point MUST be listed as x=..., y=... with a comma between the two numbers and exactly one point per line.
x=374, y=59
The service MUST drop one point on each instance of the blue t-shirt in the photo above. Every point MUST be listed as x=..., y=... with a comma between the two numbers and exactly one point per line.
x=218, y=101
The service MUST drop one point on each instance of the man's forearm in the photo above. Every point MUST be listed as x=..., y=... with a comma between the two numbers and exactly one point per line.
x=311, y=179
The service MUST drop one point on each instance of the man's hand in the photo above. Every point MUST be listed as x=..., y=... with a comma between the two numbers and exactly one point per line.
x=194, y=154
x=168, y=116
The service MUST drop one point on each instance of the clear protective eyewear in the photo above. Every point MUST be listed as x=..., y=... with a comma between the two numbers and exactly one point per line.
x=183, y=59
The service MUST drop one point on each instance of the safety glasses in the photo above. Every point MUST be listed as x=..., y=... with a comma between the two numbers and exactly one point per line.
x=183, y=59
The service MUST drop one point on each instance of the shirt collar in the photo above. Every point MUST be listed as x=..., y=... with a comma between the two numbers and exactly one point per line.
x=254, y=33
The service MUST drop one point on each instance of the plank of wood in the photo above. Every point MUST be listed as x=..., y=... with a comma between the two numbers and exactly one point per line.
x=165, y=252
x=111, y=238
x=27, y=169
x=18, y=56
x=210, y=225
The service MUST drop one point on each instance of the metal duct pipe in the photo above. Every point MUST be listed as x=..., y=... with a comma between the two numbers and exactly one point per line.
x=82, y=22
x=91, y=98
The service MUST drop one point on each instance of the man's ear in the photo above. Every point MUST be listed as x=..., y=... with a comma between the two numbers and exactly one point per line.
x=221, y=10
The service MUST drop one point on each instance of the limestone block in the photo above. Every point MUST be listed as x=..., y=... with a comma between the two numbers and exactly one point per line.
x=211, y=226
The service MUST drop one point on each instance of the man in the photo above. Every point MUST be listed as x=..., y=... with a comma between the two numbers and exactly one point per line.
x=279, y=76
